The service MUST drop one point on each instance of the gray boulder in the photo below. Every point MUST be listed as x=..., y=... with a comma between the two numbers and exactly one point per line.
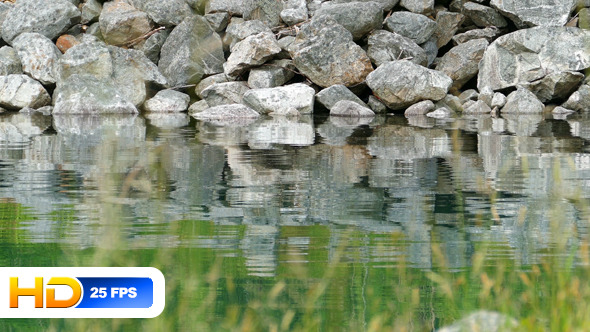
x=85, y=94
x=484, y=16
x=227, y=112
x=252, y=51
x=536, y=13
x=522, y=101
x=39, y=57
x=498, y=100
x=152, y=45
x=461, y=63
x=359, y=18
x=418, y=6
x=49, y=18
x=411, y=84
x=218, y=21
x=387, y=46
x=350, y=109
x=528, y=55
x=579, y=100
x=87, y=59
x=489, y=33
x=192, y=50
x=417, y=27
x=268, y=12
x=386, y=5
x=4, y=8
x=166, y=13
x=9, y=61
x=121, y=23
x=294, y=11
x=328, y=97
x=238, y=30
x=234, y=7
x=290, y=99
x=198, y=107
x=316, y=47
x=91, y=10
x=447, y=24
x=421, y=108
x=225, y=93
x=376, y=105
x=558, y=85
x=167, y=101
x=20, y=91
x=208, y=81
x=477, y=107
x=272, y=74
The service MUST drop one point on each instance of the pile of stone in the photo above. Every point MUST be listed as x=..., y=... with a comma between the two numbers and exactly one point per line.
x=231, y=59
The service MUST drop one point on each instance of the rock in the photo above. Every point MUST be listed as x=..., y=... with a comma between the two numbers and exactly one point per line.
x=91, y=10
x=484, y=16
x=486, y=94
x=87, y=59
x=192, y=50
x=417, y=27
x=272, y=74
x=294, y=11
x=489, y=33
x=166, y=13
x=440, y=113
x=218, y=21
x=198, y=107
x=167, y=101
x=447, y=24
x=49, y=18
x=412, y=84
x=422, y=108
x=538, y=13
x=477, y=107
x=20, y=91
x=266, y=11
x=461, y=63
x=295, y=98
x=528, y=55
x=39, y=57
x=9, y=61
x=4, y=8
x=387, y=46
x=359, y=18
x=233, y=7
x=252, y=51
x=85, y=94
x=386, y=5
x=152, y=45
x=484, y=321
x=225, y=93
x=499, y=100
x=562, y=110
x=469, y=94
x=431, y=49
x=554, y=86
x=207, y=82
x=238, y=30
x=121, y=23
x=418, y=6
x=376, y=105
x=65, y=42
x=522, y=101
x=321, y=41
x=451, y=102
x=227, y=112
x=350, y=109
x=328, y=97
x=579, y=100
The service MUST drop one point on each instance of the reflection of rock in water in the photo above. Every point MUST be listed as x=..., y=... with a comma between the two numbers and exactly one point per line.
x=406, y=143
x=18, y=127
x=168, y=120
x=259, y=248
x=296, y=131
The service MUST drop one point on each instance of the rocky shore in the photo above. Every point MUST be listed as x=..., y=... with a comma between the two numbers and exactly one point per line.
x=237, y=59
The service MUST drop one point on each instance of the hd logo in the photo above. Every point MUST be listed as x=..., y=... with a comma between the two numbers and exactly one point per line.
x=81, y=292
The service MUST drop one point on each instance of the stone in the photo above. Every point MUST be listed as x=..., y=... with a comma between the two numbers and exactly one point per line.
x=294, y=11
x=65, y=42
x=413, y=83
x=482, y=321
x=556, y=86
x=486, y=94
x=418, y=6
x=484, y=16
x=579, y=100
x=121, y=23
x=85, y=94
x=447, y=24
x=252, y=51
x=166, y=13
x=4, y=8
x=554, y=13
x=87, y=59
x=350, y=109
x=91, y=10
x=469, y=94
x=421, y=108
x=498, y=100
x=528, y=55
x=477, y=107
x=431, y=49
x=417, y=27
x=266, y=11
x=208, y=81
x=227, y=112
x=562, y=110
x=20, y=91
x=167, y=101
x=233, y=7
x=49, y=18
x=440, y=113
x=198, y=107
x=376, y=105
x=218, y=21
x=385, y=46
x=272, y=74
x=522, y=101
x=489, y=33
x=225, y=93
x=238, y=30
x=321, y=41
x=295, y=98
x=451, y=102
x=39, y=57
x=359, y=18
x=153, y=45
x=9, y=61
x=461, y=63
x=328, y=97
x=191, y=51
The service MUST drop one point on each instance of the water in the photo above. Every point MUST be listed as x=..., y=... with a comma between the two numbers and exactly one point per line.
x=246, y=220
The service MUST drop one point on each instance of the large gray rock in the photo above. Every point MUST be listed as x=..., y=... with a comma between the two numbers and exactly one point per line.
x=167, y=101
x=227, y=112
x=359, y=18
x=192, y=50
x=489, y=33
x=386, y=5
x=85, y=94
x=579, y=100
x=522, y=101
x=4, y=8
x=218, y=21
x=235, y=7
x=461, y=63
x=484, y=16
x=422, y=108
x=152, y=45
x=225, y=93
x=477, y=107
x=39, y=57
x=9, y=61
x=535, y=13
x=238, y=30
x=554, y=86
x=528, y=55
x=49, y=18
x=295, y=98
x=294, y=11
x=266, y=11
x=317, y=46
x=20, y=91
x=328, y=97
x=250, y=52
x=411, y=84
x=387, y=46
x=167, y=13
x=350, y=109
x=91, y=10
x=418, y=6
x=87, y=59
x=272, y=74
x=121, y=23
x=447, y=23
x=208, y=81
x=417, y=27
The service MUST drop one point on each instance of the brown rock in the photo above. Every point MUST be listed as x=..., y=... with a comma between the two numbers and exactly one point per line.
x=65, y=42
